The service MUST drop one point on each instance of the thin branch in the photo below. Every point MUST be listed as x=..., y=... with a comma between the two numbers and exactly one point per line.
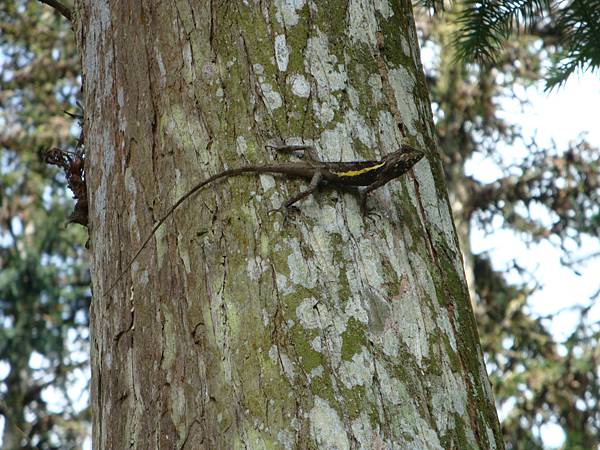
x=60, y=8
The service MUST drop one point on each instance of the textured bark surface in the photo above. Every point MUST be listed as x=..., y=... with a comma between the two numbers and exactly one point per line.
x=233, y=329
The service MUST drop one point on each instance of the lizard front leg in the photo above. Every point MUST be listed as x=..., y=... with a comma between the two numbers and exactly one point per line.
x=370, y=188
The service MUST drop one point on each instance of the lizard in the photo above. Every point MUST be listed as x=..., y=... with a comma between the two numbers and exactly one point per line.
x=369, y=174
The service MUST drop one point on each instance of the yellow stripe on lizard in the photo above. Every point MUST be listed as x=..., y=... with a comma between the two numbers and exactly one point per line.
x=355, y=173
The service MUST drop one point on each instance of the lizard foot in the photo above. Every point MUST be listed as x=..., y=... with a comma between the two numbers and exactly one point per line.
x=369, y=213
x=284, y=210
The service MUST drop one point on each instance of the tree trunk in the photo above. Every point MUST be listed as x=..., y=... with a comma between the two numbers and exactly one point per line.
x=235, y=329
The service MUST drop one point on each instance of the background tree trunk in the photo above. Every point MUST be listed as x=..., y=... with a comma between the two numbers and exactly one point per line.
x=233, y=329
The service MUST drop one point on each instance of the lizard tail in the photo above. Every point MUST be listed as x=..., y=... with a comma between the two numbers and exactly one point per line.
x=182, y=199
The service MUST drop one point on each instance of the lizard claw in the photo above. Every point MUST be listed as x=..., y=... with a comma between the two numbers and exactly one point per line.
x=371, y=214
x=284, y=210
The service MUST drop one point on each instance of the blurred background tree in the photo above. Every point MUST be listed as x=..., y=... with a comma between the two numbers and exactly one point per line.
x=44, y=285
x=481, y=54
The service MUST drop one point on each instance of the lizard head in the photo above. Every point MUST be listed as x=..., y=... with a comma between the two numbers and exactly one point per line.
x=400, y=162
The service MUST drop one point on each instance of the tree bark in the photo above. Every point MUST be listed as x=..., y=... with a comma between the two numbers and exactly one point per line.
x=234, y=329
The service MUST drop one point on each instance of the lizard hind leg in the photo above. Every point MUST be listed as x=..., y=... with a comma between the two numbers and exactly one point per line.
x=308, y=150
x=312, y=187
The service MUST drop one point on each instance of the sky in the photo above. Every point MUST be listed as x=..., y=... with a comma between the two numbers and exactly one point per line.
x=560, y=117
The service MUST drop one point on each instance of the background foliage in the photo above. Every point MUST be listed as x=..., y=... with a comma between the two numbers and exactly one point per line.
x=569, y=29
x=44, y=285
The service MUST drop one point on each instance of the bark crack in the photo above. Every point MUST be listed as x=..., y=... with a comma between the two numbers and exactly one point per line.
x=387, y=86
